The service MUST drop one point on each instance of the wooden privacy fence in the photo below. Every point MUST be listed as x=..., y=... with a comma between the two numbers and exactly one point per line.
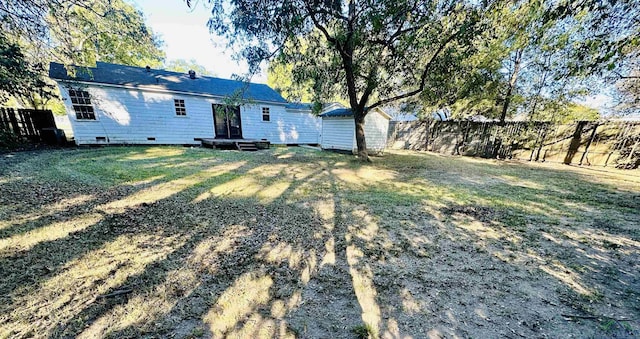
x=27, y=123
x=607, y=143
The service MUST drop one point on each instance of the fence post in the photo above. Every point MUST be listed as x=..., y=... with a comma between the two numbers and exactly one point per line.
x=586, y=148
x=535, y=143
x=425, y=125
x=545, y=127
x=631, y=154
x=4, y=119
x=27, y=121
x=606, y=162
x=14, y=122
x=575, y=143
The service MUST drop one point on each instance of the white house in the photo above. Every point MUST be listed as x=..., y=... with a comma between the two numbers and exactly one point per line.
x=339, y=131
x=116, y=104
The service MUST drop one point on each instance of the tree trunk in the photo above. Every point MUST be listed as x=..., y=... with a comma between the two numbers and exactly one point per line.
x=512, y=84
x=358, y=118
x=539, y=91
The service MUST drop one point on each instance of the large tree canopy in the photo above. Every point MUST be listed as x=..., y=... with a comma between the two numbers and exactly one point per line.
x=371, y=52
x=18, y=77
x=600, y=33
x=540, y=56
x=627, y=83
x=82, y=31
x=109, y=31
x=78, y=32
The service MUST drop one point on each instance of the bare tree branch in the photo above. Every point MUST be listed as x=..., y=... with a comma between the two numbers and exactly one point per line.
x=423, y=77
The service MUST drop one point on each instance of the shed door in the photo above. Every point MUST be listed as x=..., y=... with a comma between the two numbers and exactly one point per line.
x=227, y=121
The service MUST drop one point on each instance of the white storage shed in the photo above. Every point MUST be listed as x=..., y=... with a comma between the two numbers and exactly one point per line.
x=339, y=131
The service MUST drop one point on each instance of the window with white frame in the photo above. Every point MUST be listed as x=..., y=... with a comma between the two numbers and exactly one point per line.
x=180, y=108
x=266, y=116
x=81, y=101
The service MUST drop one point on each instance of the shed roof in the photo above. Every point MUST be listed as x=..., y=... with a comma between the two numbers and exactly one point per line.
x=347, y=112
x=338, y=112
x=143, y=78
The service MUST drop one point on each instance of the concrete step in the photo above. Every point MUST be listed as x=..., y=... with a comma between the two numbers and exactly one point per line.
x=246, y=146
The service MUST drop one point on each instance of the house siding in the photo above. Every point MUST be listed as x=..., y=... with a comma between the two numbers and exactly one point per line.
x=285, y=126
x=131, y=116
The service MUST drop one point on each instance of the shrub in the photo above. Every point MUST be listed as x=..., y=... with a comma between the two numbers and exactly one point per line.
x=10, y=140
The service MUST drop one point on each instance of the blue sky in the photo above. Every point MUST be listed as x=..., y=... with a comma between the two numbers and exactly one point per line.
x=186, y=36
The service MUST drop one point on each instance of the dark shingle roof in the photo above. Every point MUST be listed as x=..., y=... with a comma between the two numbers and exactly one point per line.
x=339, y=112
x=139, y=77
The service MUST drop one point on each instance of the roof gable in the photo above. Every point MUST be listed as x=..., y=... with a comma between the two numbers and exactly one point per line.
x=143, y=78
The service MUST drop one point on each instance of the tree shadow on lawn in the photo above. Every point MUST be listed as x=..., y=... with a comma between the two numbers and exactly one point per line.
x=42, y=199
x=298, y=245
x=101, y=204
x=270, y=272
x=51, y=259
x=553, y=193
x=593, y=273
x=462, y=270
x=596, y=263
x=231, y=232
x=148, y=243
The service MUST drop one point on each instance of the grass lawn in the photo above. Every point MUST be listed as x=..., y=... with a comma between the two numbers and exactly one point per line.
x=291, y=242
